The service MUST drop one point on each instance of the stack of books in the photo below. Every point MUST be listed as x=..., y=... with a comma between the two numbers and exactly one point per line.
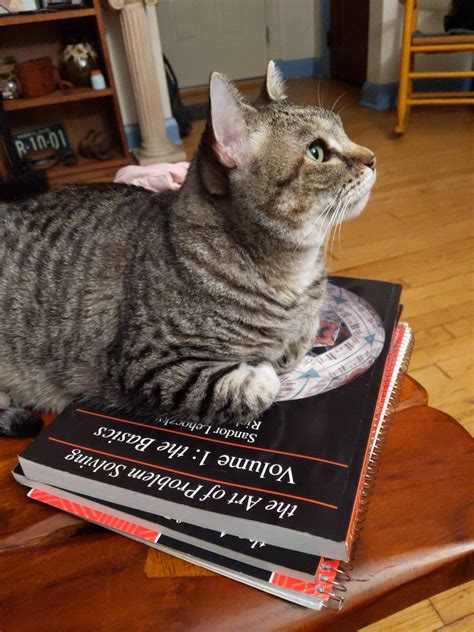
x=274, y=504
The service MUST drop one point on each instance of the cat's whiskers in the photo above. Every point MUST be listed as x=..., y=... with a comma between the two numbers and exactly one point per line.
x=329, y=228
x=341, y=222
x=335, y=223
x=337, y=100
x=333, y=229
x=325, y=212
x=325, y=215
x=331, y=221
x=328, y=214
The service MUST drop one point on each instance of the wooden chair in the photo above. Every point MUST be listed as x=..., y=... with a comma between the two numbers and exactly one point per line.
x=411, y=45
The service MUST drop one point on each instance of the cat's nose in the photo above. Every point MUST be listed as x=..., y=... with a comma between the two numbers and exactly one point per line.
x=371, y=161
x=365, y=156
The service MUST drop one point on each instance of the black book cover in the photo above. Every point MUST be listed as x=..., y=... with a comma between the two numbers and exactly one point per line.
x=289, y=478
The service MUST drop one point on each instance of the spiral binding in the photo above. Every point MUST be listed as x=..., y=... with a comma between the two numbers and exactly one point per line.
x=333, y=575
x=380, y=432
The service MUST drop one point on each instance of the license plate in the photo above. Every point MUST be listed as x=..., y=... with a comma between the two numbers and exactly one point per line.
x=52, y=137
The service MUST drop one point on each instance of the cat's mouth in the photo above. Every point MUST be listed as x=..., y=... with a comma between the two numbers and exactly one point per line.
x=357, y=196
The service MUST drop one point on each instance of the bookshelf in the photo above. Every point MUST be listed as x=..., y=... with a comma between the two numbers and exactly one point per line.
x=61, y=96
x=30, y=18
x=78, y=109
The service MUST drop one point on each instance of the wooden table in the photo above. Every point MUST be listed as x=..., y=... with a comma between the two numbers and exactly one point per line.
x=60, y=574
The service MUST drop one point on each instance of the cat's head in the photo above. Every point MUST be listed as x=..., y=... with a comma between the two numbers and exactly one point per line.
x=292, y=165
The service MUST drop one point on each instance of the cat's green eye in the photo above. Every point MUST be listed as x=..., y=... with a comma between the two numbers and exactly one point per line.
x=317, y=152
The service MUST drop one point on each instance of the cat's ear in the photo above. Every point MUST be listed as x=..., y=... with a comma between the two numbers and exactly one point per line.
x=231, y=134
x=274, y=86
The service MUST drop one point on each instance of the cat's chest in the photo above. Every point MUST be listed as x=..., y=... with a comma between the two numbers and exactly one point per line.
x=303, y=274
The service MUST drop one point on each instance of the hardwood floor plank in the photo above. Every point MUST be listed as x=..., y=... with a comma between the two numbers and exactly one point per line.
x=460, y=283
x=420, y=262
x=459, y=366
x=440, y=196
x=441, y=315
x=432, y=336
x=421, y=617
x=442, y=272
x=456, y=603
x=450, y=299
x=466, y=419
x=434, y=377
x=454, y=348
x=466, y=624
x=355, y=255
x=458, y=328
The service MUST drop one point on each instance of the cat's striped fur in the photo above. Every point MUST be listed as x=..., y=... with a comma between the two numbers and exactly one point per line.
x=187, y=303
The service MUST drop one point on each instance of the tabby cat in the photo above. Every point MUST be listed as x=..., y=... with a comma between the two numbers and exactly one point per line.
x=188, y=303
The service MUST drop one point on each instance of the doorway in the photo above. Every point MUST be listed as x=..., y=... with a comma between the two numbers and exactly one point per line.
x=349, y=40
x=199, y=36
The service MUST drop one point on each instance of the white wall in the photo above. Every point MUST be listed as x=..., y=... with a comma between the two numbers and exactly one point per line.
x=385, y=32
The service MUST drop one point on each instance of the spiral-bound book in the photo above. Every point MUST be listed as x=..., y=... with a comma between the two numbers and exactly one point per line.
x=324, y=589
x=295, y=476
x=282, y=565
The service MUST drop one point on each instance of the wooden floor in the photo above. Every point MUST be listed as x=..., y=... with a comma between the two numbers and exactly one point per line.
x=418, y=229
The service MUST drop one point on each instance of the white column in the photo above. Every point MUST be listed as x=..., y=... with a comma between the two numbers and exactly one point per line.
x=155, y=145
x=154, y=30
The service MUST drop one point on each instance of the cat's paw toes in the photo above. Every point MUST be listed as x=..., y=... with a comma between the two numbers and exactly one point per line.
x=293, y=356
x=245, y=393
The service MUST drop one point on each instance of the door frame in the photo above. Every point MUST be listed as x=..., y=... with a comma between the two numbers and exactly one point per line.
x=325, y=29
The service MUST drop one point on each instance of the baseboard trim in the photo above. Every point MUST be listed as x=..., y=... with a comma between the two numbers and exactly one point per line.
x=300, y=68
x=134, y=137
x=172, y=129
x=195, y=99
x=378, y=96
x=200, y=94
x=132, y=132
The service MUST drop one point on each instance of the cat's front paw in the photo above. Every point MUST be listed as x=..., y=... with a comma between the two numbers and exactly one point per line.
x=243, y=394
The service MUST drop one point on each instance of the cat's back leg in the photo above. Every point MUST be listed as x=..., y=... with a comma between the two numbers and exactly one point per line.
x=17, y=422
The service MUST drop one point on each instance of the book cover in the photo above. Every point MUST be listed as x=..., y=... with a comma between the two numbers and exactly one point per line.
x=290, y=477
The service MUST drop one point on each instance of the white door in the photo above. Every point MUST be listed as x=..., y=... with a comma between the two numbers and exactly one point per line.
x=200, y=36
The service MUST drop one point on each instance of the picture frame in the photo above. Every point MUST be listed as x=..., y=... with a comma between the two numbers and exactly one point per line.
x=8, y=7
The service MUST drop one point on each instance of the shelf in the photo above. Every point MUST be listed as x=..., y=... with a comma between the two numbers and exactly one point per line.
x=87, y=109
x=85, y=169
x=60, y=96
x=46, y=16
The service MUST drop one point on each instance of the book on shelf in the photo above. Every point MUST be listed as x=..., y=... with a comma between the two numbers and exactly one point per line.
x=275, y=498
